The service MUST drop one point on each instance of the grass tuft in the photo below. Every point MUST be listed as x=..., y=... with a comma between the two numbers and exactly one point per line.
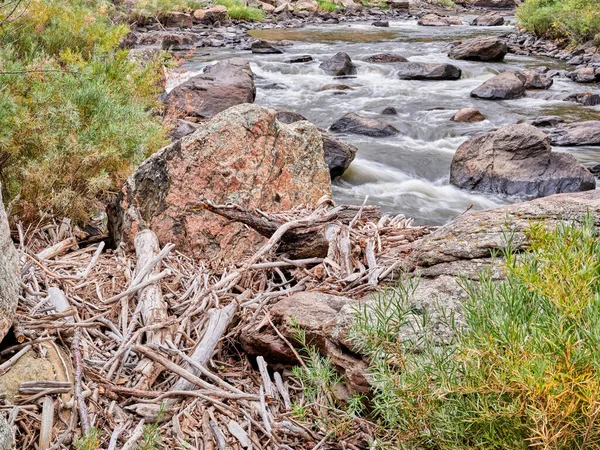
x=238, y=11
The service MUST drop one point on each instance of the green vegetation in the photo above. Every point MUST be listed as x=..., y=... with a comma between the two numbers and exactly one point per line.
x=158, y=9
x=238, y=11
x=574, y=20
x=325, y=5
x=522, y=371
x=89, y=442
x=76, y=116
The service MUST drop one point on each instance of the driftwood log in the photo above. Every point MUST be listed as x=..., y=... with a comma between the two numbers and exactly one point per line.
x=307, y=239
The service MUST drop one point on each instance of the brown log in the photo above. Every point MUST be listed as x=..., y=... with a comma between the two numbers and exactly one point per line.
x=305, y=241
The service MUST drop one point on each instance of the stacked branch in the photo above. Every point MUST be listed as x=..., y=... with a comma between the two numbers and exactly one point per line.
x=144, y=341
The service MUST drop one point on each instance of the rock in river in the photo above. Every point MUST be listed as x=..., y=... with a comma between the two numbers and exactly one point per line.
x=424, y=71
x=578, y=133
x=505, y=86
x=468, y=115
x=380, y=58
x=244, y=156
x=10, y=279
x=517, y=160
x=355, y=124
x=435, y=20
x=585, y=75
x=485, y=48
x=339, y=64
x=264, y=47
x=221, y=86
x=585, y=98
x=490, y=19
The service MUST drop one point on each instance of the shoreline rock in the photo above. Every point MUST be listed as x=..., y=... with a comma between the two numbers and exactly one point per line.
x=355, y=124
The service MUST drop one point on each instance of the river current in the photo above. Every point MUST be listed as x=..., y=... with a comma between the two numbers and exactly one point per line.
x=407, y=173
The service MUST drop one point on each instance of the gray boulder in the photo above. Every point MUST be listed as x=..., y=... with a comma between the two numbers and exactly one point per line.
x=486, y=48
x=536, y=80
x=381, y=58
x=584, y=98
x=505, y=86
x=264, y=47
x=9, y=275
x=435, y=20
x=490, y=19
x=182, y=128
x=173, y=40
x=424, y=71
x=221, y=86
x=339, y=64
x=578, y=133
x=355, y=124
x=585, y=75
x=517, y=160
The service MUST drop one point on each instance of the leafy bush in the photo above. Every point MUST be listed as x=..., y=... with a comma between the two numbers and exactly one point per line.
x=76, y=116
x=522, y=372
x=575, y=20
x=238, y=11
x=325, y=5
x=158, y=9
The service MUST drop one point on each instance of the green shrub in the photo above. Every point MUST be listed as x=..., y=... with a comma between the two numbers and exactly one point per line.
x=158, y=9
x=522, y=372
x=325, y=5
x=238, y=11
x=575, y=20
x=76, y=116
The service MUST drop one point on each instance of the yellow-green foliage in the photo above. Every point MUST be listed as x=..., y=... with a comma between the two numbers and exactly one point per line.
x=325, y=5
x=575, y=20
x=158, y=9
x=238, y=11
x=522, y=373
x=76, y=116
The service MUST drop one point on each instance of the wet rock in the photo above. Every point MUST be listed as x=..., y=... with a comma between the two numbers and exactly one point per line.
x=490, y=19
x=595, y=170
x=174, y=40
x=390, y=111
x=221, y=86
x=244, y=156
x=275, y=86
x=545, y=121
x=178, y=19
x=339, y=64
x=578, y=133
x=213, y=15
x=468, y=115
x=486, y=48
x=10, y=279
x=424, y=71
x=505, y=86
x=300, y=59
x=338, y=154
x=381, y=23
x=336, y=87
x=182, y=128
x=517, y=160
x=288, y=117
x=536, y=80
x=264, y=47
x=385, y=58
x=6, y=440
x=435, y=20
x=585, y=75
x=585, y=98
x=355, y=124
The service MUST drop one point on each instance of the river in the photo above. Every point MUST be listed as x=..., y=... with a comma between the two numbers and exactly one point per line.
x=407, y=173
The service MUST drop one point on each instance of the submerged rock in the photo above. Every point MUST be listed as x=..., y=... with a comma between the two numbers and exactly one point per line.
x=486, y=48
x=390, y=111
x=435, y=20
x=468, y=115
x=517, y=160
x=355, y=124
x=264, y=47
x=300, y=59
x=585, y=98
x=244, y=156
x=578, y=133
x=424, y=71
x=10, y=278
x=381, y=23
x=380, y=58
x=490, y=19
x=339, y=64
x=505, y=86
x=221, y=86
x=545, y=121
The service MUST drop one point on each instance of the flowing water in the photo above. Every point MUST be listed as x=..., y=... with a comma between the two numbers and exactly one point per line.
x=407, y=173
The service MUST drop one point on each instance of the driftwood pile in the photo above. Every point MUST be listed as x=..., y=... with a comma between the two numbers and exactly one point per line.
x=145, y=345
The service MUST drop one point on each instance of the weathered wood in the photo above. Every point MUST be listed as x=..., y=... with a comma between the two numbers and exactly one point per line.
x=304, y=241
x=153, y=307
x=57, y=249
x=47, y=423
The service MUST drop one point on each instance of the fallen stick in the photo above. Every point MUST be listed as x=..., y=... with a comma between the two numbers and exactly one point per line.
x=46, y=424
